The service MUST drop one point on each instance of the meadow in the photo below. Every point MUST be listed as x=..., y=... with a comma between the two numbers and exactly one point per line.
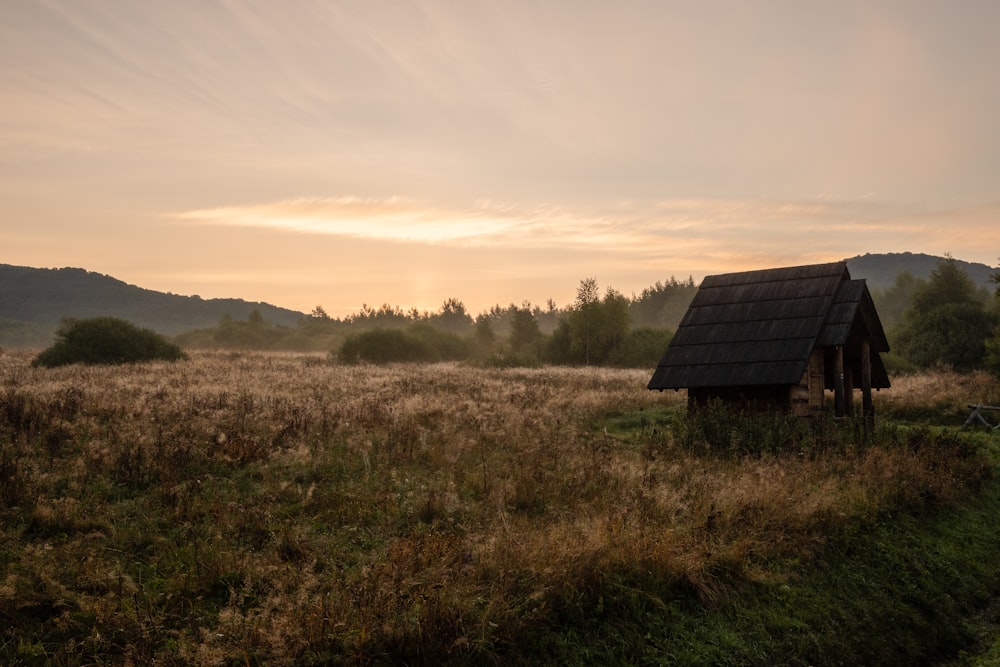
x=243, y=508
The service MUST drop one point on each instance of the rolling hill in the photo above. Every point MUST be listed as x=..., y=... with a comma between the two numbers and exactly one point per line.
x=880, y=270
x=32, y=301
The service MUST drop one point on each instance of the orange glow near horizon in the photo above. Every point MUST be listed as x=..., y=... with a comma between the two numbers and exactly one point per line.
x=409, y=154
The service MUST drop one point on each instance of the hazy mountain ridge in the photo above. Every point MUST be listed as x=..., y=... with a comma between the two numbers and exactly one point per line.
x=32, y=300
x=880, y=270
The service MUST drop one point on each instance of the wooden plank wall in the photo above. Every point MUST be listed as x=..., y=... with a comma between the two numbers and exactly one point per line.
x=816, y=379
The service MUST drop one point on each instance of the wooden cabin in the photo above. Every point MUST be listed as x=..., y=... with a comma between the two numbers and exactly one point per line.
x=778, y=339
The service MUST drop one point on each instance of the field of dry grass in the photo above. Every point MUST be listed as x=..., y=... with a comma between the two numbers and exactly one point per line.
x=244, y=508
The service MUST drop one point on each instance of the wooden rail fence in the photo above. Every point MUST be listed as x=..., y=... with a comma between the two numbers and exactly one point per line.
x=977, y=416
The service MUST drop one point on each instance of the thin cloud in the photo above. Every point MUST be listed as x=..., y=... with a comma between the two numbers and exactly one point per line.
x=393, y=219
x=398, y=219
x=697, y=227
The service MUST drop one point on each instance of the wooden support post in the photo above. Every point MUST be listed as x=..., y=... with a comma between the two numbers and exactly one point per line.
x=848, y=391
x=867, y=409
x=838, y=383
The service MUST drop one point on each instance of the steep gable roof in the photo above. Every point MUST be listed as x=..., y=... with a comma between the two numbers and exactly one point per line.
x=759, y=327
x=852, y=299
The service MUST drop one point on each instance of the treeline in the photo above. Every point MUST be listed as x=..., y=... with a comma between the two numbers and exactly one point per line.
x=946, y=320
x=597, y=328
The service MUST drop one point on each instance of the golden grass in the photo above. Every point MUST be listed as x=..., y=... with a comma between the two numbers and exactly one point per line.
x=946, y=390
x=277, y=506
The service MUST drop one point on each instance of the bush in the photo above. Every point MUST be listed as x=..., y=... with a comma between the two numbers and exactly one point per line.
x=416, y=344
x=952, y=335
x=447, y=346
x=105, y=340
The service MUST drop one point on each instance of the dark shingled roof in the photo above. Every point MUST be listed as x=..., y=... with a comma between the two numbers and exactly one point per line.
x=759, y=327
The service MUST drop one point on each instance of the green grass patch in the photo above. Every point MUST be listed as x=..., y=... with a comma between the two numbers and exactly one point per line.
x=904, y=591
x=635, y=424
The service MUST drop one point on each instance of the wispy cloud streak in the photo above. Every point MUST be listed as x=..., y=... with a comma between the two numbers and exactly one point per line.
x=696, y=224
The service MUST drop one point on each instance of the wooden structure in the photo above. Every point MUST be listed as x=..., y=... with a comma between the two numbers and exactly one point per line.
x=976, y=416
x=778, y=338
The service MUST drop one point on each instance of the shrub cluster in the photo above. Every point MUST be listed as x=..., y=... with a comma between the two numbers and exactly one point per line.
x=594, y=331
x=105, y=340
x=640, y=348
x=418, y=343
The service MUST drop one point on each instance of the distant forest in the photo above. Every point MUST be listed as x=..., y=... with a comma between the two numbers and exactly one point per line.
x=33, y=301
x=591, y=330
x=945, y=319
x=601, y=326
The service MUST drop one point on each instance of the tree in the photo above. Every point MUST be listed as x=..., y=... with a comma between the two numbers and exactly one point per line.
x=453, y=317
x=893, y=301
x=585, y=321
x=615, y=320
x=947, y=323
x=385, y=316
x=993, y=344
x=595, y=326
x=484, y=335
x=548, y=319
x=105, y=340
x=524, y=329
x=948, y=283
x=663, y=305
x=641, y=348
x=557, y=346
x=319, y=313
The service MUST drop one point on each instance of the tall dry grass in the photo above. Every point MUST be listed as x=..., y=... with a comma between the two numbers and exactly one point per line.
x=942, y=396
x=275, y=508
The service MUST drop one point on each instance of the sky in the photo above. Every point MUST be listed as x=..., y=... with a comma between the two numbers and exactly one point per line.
x=365, y=152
